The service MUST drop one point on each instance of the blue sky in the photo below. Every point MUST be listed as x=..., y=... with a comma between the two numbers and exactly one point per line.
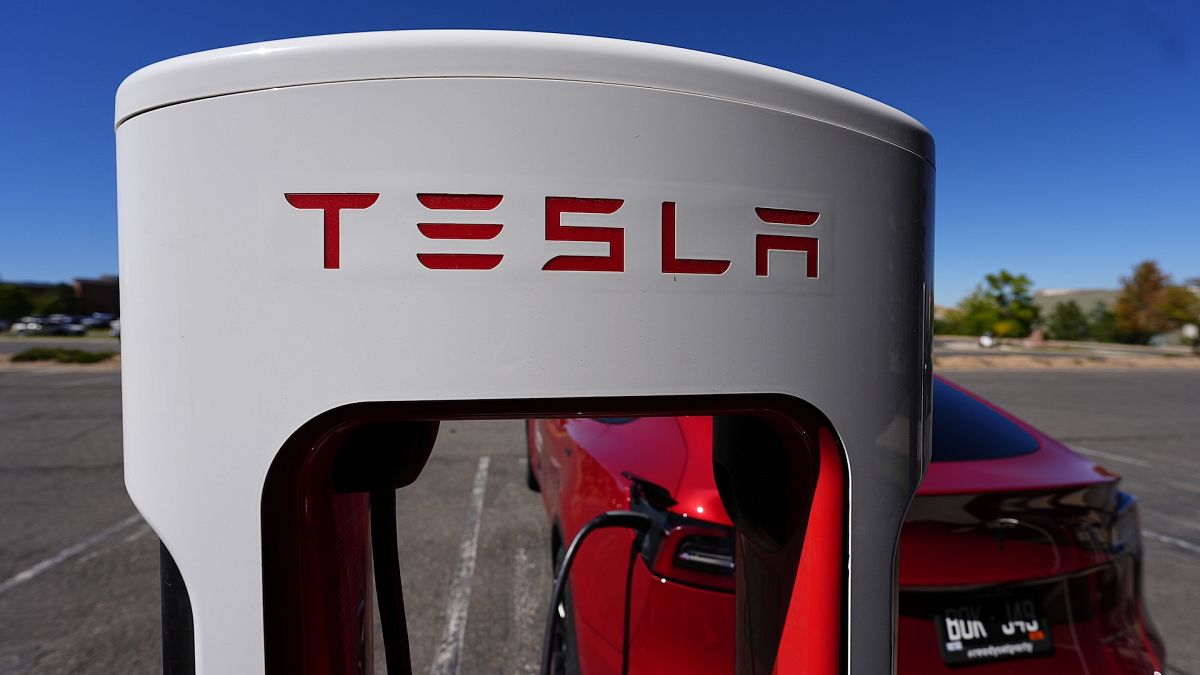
x=1068, y=132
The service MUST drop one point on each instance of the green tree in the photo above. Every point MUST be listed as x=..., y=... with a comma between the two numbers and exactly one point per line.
x=1102, y=324
x=946, y=326
x=59, y=299
x=1067, y=322
x=14, y=302
x=1013, y=298
x=1002, y=305
x=1179, y=306
x=975, y=315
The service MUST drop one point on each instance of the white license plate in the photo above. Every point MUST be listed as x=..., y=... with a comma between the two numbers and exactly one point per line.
x=992, y=629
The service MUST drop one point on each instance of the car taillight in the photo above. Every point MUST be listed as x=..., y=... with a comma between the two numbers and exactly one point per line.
x=706, y=554
x=696, y=554
x=682, y=549
x=1119, y=593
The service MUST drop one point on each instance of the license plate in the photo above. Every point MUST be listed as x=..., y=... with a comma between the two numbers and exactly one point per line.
x=992, y=629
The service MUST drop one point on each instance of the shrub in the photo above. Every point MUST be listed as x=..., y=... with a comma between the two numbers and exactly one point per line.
x=1067, y=322
x=61, y=355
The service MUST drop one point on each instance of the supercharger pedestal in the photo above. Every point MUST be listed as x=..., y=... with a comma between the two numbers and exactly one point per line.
x=325, y=233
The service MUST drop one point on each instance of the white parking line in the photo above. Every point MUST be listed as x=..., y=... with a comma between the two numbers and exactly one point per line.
x=1190, y=547
x=1109, y=455
x=137, y=534
x=67, y=553
x=447, y=659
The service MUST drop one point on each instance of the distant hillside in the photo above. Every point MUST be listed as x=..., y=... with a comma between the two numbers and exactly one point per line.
x=1087, y=298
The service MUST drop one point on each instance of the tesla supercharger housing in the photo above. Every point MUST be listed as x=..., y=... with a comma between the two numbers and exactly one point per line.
x=324, y=235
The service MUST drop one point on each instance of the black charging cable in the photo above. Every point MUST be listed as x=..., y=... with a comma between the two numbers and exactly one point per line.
x=379, y=458
x=639, y=522
x=633, y=556
x=389, y=590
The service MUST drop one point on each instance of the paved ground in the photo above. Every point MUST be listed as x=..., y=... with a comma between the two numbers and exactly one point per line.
x=60, y=484
x=96, y=610
x=78, y=570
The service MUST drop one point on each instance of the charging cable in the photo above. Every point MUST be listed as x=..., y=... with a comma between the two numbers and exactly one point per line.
x=388, y=588
x=379, y=458
x=639, y=522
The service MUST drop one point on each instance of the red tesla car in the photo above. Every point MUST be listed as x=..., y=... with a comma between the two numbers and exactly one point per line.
x=1017, y=554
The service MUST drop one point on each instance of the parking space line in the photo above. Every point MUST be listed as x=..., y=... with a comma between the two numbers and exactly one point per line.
x=1190, y=547
x=67, y=553
x=447, y=660
x=137, y=534
x=1109, y=455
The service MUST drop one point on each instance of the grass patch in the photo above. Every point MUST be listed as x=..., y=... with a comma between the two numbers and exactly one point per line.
x=61, y=355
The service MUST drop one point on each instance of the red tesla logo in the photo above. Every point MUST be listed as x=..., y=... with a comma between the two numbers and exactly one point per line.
x=674, y=265
x=765, y=243
x=332, y=204
x=459, y=261
x=556, y=231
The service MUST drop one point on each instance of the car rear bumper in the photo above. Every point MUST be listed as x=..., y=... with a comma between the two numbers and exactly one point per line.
x=1097, y=625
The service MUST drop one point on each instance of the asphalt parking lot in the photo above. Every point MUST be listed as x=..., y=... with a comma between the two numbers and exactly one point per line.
x=79, y=570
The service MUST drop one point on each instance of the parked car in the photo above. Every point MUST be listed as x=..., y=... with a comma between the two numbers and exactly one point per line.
x=97, y=320
x=1016, y=556
x=55, y=324
x=61, y=324
x=114, y=328
x=26, y=325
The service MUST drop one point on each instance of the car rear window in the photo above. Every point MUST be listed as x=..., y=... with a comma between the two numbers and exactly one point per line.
x=965, y=429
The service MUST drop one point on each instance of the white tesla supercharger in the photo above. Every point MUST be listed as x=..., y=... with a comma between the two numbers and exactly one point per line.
x=327, y=244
